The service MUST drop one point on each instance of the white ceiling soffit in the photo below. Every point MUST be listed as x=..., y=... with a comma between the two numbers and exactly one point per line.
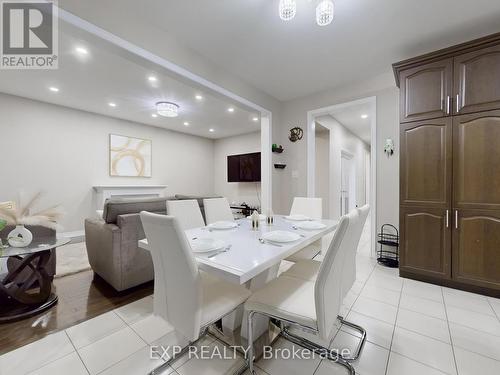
x=108, y=74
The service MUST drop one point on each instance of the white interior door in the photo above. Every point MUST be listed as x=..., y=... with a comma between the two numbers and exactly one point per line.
x=348, y=184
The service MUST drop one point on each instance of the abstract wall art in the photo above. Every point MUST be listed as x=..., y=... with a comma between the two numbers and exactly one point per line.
x=129, y=157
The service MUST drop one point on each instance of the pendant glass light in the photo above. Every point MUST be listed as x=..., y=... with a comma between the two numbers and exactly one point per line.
x=324, y=13
x=287, y=9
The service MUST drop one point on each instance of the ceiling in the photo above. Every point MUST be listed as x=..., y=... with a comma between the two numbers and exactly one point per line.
x=108, y=74
x=350, y=118
x=293, y=59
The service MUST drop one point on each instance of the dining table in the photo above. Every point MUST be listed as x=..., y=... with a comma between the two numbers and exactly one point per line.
x=247, y=258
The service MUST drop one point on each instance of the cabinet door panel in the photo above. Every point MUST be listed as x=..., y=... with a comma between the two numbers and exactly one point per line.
x=476, y=248
x=476, y=161
x=425, y=241
x=425, y=163
x=425, y=91
x=477, y=81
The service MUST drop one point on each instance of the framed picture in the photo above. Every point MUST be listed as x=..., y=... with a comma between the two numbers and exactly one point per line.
x=129, y=156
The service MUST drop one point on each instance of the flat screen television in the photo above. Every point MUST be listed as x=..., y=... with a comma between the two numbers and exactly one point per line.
x=243, y=168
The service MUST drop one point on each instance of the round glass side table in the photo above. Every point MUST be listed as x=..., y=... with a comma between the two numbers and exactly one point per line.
x=26, y=289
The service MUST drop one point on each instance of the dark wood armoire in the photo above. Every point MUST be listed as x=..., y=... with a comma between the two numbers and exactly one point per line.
x=450, y=166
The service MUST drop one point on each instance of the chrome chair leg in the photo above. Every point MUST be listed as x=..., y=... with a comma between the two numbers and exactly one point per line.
x=164, y=367
x=315, y=348
x=250, y=342
x=285, y=333
x=362, y=331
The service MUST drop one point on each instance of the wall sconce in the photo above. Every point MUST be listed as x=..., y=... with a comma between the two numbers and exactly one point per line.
x=389, y=147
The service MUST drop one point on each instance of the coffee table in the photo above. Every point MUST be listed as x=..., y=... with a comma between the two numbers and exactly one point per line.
x=26, y=289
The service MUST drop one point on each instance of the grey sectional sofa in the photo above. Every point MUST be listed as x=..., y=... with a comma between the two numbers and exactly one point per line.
x=112, y=241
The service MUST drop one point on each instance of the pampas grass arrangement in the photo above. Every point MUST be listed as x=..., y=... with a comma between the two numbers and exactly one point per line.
x=22, y=214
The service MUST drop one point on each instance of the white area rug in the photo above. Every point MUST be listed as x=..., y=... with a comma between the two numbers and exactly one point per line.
x=72, y=259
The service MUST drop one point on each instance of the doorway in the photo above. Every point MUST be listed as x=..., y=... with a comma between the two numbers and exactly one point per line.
x=352, y=161
x=347, y=183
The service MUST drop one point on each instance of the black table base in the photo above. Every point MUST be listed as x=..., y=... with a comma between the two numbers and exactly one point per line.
x=27, y=289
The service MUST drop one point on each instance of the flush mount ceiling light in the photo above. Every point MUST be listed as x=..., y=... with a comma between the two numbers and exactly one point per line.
x=287, y=9
x=54, y=89
x=167, y=109
x=154, y=115
x=324, y=11
x=152, y=79
x=364, y=116
x=230, y=109
x=255, y=119
x=211, y=130
x=112, y=104
x=199, y=97
x=186, y=123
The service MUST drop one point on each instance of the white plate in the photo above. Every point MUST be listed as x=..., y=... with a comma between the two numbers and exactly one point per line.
x=298, y=217
x=223, y=225
x=261, y=217
x=206, y=245
x=281, y=236
x=310, y=225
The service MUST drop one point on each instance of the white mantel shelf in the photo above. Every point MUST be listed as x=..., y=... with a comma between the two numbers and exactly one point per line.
x=104, y=192
x=118, y=187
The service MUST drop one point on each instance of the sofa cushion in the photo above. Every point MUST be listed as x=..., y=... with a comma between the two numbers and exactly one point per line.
x=120, y=206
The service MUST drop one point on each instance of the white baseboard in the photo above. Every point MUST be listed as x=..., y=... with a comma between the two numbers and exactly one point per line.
x=76, y=236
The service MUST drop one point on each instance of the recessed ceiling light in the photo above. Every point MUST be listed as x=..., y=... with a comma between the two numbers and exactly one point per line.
x=230, y=109
x=111, y=104
x=154, y=115
x=54, y=89
x=363, y=116
x=211, y=130
x=81, y=50
x=152, y=79
x=186, y=123
x=198, y=97
x=167, y=109
x=255, y=119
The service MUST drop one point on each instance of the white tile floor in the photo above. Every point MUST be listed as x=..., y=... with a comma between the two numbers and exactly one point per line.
x=413, y=329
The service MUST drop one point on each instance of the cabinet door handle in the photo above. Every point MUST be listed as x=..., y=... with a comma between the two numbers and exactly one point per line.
x=456, y=219
x=447, y=218
x=458, y=103
x=448, y=104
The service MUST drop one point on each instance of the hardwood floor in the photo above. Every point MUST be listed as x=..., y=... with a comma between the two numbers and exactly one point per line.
x=82, y=296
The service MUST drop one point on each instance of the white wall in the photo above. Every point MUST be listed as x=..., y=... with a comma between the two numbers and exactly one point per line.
x=322, y=169
x=295, y=114
x=64, y=152
x=235, y=191
x=341, y=139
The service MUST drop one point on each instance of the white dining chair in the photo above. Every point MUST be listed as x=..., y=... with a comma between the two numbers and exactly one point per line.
x=187, y=212
x=313, y=306
x=309, y=270
x=217, y=209
x=349, y=272
x=313, y=208
x=197, y=299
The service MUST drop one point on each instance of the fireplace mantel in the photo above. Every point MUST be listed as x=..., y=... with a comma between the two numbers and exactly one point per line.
x=104, y=192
